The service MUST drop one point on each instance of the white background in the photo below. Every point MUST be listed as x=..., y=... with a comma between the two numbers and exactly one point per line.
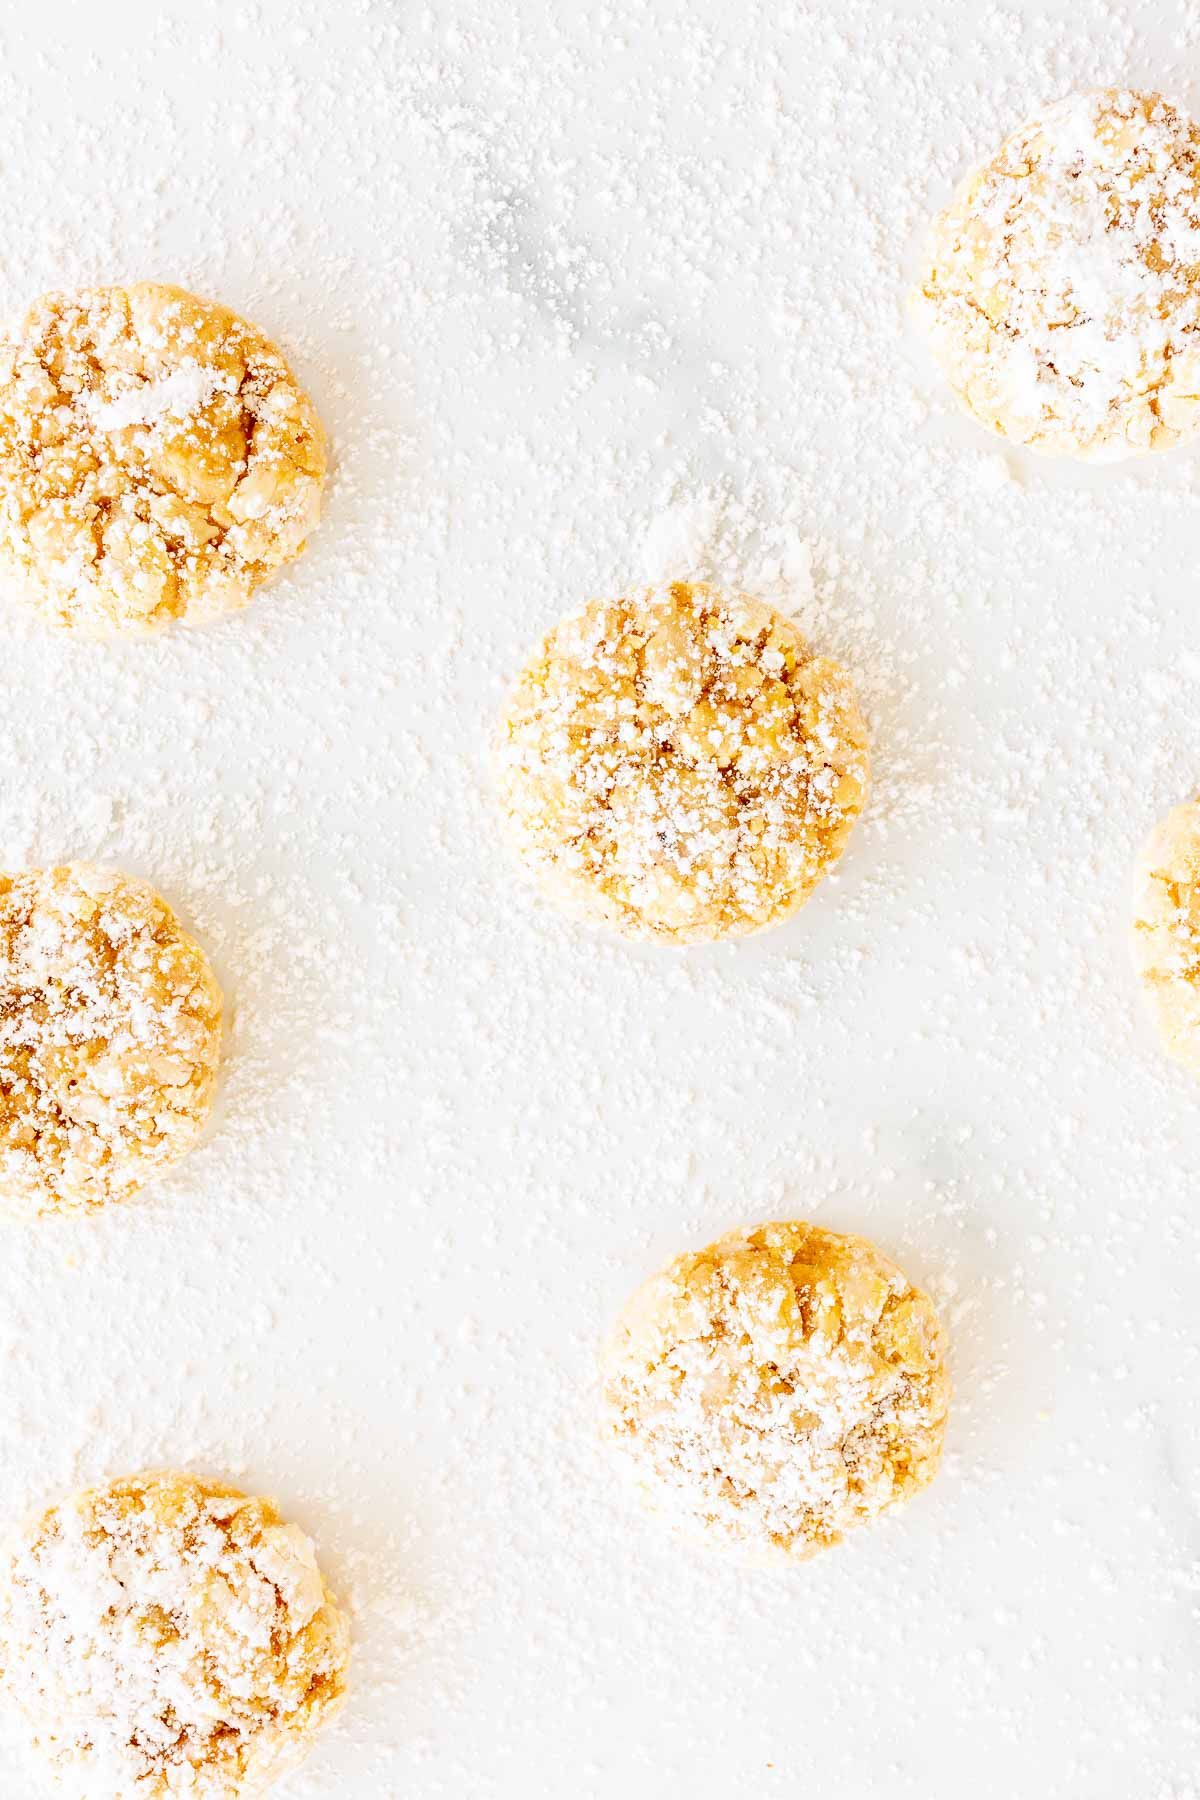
x=579, y=287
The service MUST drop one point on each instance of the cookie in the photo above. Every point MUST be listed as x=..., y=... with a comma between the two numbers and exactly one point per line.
x=777, y=1390
x=678, y=766
x=110, y=1035
x=158, y=459
x=1166, y=931
x=1063, y=291
x=163, y=1635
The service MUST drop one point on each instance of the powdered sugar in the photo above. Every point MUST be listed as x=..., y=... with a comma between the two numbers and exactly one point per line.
x=173, y=397
x=690, y=540
x=455, y=1133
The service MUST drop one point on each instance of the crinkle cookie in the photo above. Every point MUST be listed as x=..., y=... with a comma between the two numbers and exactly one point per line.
x=158, y=459
x=679, y=766
x=110, y=1035
x=1166, y=930
x=164, y=1635
x=776, y=1390
x=1063, y=294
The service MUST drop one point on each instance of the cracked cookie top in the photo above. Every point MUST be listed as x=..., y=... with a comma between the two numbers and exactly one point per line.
x=164, y=1635
x=158, y=460
x=1063, y=292
x=777, y=1389
x=110, y=1035
x=677, y=765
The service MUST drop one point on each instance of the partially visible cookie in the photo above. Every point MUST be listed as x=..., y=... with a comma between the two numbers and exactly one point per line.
x=678, y=765
x=110, y=1036
x=166, y=1636
x=1062, y=294
x=1166, y=930
x=776, y=1390
x=158, y=459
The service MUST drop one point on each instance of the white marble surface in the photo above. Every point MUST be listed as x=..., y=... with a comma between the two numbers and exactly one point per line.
x=552, y=269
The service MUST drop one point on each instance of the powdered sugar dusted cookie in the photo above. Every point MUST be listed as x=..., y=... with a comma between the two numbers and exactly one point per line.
x=110, y=1033
x=164, y=1635
x=1063, y=297
x=158, y=460
x=678, y=765
x=778, y=1389
x=1166, y=930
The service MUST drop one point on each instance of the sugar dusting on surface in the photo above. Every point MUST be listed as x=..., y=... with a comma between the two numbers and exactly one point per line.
x=454, y=1133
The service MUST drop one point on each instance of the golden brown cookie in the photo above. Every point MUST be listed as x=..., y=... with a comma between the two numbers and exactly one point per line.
x=158, y=459
x=110, y=1036
x=777, y=1389
x=1063, y=291
x=678, y=765
x=1166, y=931
x=166, y=1636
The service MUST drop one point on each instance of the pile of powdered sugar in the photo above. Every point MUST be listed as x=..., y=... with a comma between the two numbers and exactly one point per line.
x=553, y=276
x=168, y=399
